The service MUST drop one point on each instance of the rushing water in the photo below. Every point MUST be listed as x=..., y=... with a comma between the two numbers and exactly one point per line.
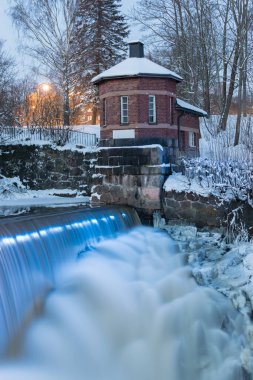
x=130, y=310
x=32, y=249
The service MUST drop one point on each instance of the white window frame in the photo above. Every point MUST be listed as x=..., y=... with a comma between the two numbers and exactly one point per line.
x=152, y=109
x=192, y=139
x=172, y=111
x=104, y=112
x=124, y=109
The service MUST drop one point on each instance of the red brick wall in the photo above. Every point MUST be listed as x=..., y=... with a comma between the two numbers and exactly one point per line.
x=139, y=83
x=158, y=84
x=112, y=89
x=145, y=133
x=138, y=103
x=191, y=121
x=156, y=132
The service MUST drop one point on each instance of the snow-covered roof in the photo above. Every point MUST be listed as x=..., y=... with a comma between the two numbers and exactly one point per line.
x=184, y=106
x=136, y=67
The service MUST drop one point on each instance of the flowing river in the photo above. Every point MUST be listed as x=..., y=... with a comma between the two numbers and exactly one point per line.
x=129, y=309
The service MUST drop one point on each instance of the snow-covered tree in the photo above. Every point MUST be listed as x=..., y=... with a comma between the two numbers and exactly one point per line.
x=99, y=41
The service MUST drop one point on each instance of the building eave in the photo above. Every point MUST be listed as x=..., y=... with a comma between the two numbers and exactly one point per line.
x=139, y=75
x=190, y=109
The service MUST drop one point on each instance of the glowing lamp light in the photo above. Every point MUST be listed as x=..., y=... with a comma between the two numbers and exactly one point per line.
x=45, y=87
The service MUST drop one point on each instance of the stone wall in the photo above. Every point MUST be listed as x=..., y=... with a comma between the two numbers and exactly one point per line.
x=131, y=176
x=43, y=167
x=205, y=211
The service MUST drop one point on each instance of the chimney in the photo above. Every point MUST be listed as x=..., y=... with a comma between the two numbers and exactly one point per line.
x=136, y=49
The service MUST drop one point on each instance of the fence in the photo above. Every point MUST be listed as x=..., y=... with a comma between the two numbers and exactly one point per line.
x=59, y=136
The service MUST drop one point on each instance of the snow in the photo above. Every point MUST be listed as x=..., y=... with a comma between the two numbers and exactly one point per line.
x=15, y=198
x=92, y=129
x=96, y=195
x=45, y=197
x=219, y=146
x=182, y=104
x=180, y=183
x=39, y=143
x=79, y=137
x=227, y=180
x=136, y=67
x=135, y=147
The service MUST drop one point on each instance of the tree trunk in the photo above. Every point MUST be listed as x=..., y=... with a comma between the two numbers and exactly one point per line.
x=244, y=84
x=227, y=105
x=66, y=109
x=239, y=104
x=94, y=115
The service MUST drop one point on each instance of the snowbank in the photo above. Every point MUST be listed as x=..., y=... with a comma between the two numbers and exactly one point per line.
x=15, y=198
x=180, y=183
x=227, y=180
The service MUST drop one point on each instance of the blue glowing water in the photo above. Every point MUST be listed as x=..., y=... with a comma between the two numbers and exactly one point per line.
x=32, y=250
x=130, y=310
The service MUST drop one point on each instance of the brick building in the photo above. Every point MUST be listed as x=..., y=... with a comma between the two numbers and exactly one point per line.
x=138, y=102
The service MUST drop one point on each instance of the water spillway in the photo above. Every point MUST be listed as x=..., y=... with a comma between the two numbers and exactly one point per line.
x=33, y=249
x=127, y=309
x=130, y=310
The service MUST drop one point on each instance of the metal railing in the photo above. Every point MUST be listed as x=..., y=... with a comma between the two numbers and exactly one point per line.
x=59, y=136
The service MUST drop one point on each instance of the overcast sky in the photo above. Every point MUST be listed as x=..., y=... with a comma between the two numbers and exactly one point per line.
x=9, y=34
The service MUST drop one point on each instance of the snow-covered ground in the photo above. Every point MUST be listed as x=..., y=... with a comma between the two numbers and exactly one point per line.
x=15, y=198
x=93, y=129
x=220, y=146
x=225, y=179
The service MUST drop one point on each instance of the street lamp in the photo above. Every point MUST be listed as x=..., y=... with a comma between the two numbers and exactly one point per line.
x=45, y=87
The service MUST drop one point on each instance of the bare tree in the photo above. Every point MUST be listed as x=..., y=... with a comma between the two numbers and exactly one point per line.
x=183, y=34
x=208, y=43
x=47, y=27
x=8, y=88
x=242, y=22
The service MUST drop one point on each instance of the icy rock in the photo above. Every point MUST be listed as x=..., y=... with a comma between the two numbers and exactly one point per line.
x=204, y=276
x=246, y=360
x=250, y=334
x=239, y=300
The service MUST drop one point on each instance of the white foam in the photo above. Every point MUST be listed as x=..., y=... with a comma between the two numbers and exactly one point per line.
x=130, y=310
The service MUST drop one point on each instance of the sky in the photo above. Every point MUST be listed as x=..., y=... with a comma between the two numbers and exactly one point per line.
x=9, y=34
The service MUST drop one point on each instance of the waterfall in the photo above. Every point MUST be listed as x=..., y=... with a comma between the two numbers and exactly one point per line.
x=32, y=250
x=129, y=309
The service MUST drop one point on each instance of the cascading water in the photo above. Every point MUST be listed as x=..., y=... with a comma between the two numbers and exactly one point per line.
x=130, y=310
x=33, y=249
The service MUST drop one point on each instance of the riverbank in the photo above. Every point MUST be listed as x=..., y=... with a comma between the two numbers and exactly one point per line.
x=225, y=267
